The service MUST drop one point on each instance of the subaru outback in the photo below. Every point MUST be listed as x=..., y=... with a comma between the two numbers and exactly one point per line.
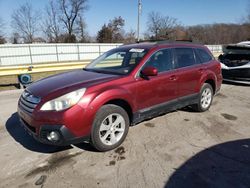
x=122, y=87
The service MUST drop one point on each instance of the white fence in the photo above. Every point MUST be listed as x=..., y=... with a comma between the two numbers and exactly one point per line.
x=46, y=53
x=215, y=48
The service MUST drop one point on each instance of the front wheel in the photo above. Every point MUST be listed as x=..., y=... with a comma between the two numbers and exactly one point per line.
x=110, y=127
x=205, y=98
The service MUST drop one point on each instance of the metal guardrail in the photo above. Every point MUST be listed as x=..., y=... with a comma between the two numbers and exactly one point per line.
x=38, y=68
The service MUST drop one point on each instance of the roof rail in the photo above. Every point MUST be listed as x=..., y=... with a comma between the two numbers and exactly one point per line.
x=174, y=41
x=159, y=41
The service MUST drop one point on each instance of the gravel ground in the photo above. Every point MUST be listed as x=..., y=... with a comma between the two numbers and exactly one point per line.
x=179, y=149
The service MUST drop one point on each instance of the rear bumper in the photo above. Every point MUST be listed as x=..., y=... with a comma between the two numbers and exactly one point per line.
x=241, y=74
x=65, y=138
x=237, y=81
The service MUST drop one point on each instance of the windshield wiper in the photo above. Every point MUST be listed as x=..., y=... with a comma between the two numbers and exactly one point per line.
x=95, y=70
x=103, y=71
x=91, y=70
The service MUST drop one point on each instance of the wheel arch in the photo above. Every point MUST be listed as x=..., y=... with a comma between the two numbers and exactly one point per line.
x=212, y=83
x=123, y=104
x=119, y=97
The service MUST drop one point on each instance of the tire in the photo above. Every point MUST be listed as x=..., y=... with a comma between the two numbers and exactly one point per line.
x=110, y=127
x=205, y=98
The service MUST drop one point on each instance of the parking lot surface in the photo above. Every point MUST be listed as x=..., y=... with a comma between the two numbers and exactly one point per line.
x=179, y=149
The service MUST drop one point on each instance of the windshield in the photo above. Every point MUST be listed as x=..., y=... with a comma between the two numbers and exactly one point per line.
x=117, y=61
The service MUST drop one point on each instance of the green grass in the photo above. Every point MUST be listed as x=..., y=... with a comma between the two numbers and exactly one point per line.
x=11, y=82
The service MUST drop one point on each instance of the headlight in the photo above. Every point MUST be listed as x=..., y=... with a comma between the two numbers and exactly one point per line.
x=65, y=101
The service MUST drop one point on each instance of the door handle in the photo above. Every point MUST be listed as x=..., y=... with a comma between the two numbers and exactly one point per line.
x=173, y=78
x=201, y=70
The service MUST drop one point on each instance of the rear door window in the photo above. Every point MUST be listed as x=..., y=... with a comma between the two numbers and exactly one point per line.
x=204, y=56
x=185, y=57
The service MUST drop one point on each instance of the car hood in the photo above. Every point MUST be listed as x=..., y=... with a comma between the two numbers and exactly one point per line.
x=67, y=82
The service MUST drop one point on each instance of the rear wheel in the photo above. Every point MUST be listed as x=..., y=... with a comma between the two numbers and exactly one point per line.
x=110, y=127
x=205, y=98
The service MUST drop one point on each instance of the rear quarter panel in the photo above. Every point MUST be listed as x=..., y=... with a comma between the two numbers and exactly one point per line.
x=213, y=72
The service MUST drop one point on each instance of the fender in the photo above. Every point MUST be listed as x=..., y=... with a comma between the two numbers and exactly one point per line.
x=114, y=93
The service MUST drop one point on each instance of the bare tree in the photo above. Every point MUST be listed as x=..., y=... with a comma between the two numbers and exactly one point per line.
x=52, y=25
x=15, y=38
x=81, y=29
x=159, y=26
x=1, y=25
x=219, y=33
x=2, y=39
x=130, y=37
x=248, y=13
x=69, y=11
x=26, y=21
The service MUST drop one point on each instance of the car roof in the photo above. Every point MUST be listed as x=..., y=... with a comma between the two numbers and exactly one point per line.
x=160, y=44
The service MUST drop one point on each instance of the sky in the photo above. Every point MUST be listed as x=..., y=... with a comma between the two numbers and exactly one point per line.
x=188, y=12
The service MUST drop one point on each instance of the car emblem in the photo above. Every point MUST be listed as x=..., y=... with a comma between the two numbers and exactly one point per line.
x=25, y=94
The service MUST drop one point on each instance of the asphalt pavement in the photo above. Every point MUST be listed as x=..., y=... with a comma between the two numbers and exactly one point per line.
x=179, y=149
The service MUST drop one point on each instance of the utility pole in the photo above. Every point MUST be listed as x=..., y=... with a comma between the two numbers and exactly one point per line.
x=138, y=22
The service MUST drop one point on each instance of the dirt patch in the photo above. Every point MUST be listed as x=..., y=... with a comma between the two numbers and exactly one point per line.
x=120, y=150
x=218, y=129
x=23, y=185
x=118, y=156
x=229, y=117
x=149, y=125
x=221, y=96
x=215, y=103
x=112, y=163
x=55, y=161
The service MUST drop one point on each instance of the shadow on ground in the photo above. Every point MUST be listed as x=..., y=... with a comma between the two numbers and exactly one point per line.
x=21, y=136
x=225, y=165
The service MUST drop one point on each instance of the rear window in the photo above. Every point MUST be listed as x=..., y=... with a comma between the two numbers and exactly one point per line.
x=204, y=56
x=185, y=57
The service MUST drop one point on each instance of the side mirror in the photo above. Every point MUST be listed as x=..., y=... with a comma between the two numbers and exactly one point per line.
x=149, y=71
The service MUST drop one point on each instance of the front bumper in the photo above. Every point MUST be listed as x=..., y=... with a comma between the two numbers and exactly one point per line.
x=65, y=138
x=72, y=125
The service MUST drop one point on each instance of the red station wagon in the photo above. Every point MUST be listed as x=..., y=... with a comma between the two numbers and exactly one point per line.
x=122, y=87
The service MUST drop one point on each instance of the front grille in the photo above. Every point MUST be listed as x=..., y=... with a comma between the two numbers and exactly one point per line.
x=43, y=134
x=28, y=102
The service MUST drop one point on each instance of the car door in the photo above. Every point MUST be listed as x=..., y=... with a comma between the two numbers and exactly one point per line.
x=160, y=89
x=189, y=71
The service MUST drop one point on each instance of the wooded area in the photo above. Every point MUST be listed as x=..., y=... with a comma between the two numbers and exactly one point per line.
x=63, y=22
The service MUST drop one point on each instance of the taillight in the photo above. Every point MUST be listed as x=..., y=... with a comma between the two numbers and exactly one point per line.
x=218, y=66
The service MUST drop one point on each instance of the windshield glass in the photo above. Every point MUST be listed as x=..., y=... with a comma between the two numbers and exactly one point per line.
x=117, y=61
